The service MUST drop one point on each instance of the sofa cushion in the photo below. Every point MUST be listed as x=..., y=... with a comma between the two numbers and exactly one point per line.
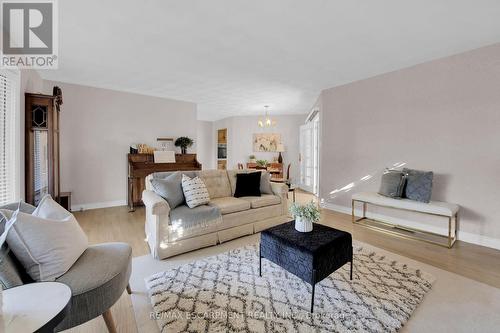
x=217, y=183
x=230, y=205
x=263, y=201
x=247, y=184
x=250, y=216
x=169, y=188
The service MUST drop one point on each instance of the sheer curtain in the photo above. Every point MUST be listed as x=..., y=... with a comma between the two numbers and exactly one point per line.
x=7, y=139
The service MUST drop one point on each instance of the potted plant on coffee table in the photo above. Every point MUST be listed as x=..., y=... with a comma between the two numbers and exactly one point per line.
x=305, y=216
x=184, y=142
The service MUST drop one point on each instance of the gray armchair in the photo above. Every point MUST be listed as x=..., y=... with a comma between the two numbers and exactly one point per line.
x=97, y=279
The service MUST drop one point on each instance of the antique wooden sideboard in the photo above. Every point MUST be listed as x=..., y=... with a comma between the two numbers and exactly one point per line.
x=142, y=165
x=274, y=168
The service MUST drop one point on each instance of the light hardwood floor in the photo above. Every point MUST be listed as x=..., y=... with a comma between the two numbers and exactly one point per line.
x=118, y=225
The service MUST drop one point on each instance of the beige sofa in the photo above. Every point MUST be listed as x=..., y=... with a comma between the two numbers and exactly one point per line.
x=240, y=216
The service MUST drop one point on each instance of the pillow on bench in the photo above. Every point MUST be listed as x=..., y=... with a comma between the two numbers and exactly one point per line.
x=418, y=185
x=392, y=184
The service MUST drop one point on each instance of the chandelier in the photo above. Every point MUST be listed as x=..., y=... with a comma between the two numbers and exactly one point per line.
x=266, y=121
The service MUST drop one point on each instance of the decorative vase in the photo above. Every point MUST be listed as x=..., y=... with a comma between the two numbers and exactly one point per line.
x=183, y=150
x=303, y=225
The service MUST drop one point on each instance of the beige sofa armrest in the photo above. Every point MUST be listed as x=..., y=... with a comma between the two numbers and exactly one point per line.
x=280, y=189
x=156, y=204
x=157, y=221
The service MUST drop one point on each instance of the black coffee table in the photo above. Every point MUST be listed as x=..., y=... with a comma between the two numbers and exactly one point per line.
x=311, y=256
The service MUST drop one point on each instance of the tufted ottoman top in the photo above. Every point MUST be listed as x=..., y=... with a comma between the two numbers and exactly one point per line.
x=322, y=250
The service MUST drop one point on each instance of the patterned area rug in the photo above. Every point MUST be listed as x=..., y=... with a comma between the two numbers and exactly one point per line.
x=224, y=293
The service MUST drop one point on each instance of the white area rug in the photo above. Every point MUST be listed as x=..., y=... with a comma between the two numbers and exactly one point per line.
x=224, y=293
x=455, y=303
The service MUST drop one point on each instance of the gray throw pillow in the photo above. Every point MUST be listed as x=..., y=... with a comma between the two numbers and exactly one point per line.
x=392, y=184
x=170, y=189
x=9, y=273
x=47, y=242
x=418, y=185
x=265, y=183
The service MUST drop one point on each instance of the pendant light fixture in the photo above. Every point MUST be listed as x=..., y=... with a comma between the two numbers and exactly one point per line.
x=266, y=121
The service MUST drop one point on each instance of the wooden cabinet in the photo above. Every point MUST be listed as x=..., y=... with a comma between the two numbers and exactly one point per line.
x=222, y=135
x=275, y=169
x=222, y=164
x=142, y=165
x=41, y=147
x=222, y=149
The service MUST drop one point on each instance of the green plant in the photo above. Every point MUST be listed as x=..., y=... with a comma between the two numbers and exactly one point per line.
x=251, y=157
x=308, y=212
x=262, y=163
x=184, y=142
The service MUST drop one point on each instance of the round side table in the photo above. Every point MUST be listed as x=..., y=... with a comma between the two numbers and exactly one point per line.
x=35, y=307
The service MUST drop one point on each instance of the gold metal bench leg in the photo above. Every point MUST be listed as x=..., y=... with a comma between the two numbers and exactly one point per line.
x=354, y=219
x=449, y=232
x=353, y=216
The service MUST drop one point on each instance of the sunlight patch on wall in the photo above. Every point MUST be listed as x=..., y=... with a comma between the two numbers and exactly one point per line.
x=352, y=185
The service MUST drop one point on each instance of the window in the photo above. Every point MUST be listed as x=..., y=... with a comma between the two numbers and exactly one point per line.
x=8, y=176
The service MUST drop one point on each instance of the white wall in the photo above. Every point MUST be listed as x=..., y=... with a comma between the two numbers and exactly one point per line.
x=205, y=144
x=442, y=116
x=97, y=127
x=240, y=138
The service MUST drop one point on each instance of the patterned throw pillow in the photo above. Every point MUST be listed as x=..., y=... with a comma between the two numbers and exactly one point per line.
x=195, y=191
x=418, y=185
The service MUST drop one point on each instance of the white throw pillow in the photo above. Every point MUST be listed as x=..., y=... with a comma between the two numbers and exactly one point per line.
x=195, y=191
x=48, y=242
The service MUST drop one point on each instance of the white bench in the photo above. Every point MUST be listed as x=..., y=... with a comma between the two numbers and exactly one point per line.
x=436, y=208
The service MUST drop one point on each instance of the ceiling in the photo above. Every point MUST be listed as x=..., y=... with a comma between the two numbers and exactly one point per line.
x=232, y=57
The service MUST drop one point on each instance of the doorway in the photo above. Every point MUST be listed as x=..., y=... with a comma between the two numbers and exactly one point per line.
x=309, y=154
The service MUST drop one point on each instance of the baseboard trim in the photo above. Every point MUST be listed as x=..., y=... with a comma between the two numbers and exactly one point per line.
x=96, y=205
x=461, y=235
